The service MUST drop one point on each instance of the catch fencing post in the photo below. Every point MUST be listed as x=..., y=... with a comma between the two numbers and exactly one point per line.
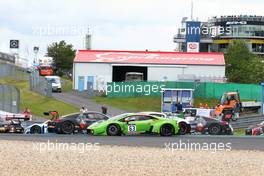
x=262, y=98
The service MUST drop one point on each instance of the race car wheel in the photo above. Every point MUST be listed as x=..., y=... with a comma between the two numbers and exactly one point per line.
x=113, y=130
x=67, y=127
x=184, y=128
x=248, y=131
x=35, y=130
x=167, y=130
x=214, y=129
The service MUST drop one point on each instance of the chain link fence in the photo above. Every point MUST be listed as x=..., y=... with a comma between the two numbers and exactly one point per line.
x=9, y=98
x=39, y=84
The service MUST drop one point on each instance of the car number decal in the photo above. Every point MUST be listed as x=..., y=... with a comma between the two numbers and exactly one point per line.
x=132, y=128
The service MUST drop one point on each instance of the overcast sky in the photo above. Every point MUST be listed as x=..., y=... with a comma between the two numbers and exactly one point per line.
x=114, y=24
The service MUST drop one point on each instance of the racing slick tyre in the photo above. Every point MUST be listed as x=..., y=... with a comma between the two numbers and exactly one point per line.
x=67, y=127
x=184, y=128
x=35, y=130
x=113, y=130
x=167, y=130
x=214, y=129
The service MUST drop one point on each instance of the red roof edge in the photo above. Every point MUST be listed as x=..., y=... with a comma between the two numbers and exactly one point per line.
x=168, y=52
x=157, y=52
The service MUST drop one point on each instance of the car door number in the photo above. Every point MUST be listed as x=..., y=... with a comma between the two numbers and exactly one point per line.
x=132, y=128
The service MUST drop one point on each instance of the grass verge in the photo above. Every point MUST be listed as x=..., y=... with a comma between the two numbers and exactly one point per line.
x=131, y=103
x=145, y=103
x=36, y=102
x=66, y=84
x=239, y=132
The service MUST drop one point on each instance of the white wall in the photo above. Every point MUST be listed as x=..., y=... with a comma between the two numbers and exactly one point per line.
x=218, y=71
x=102, y=72
x=158, y=73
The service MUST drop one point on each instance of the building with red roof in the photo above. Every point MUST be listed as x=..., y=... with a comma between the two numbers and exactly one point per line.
x=92, y=69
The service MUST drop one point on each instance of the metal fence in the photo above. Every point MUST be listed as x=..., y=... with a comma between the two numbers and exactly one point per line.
x=9, y=98
x=7, y=70
x=215, y=90
x=39, y=84
x=201, y=90
x=12, y=71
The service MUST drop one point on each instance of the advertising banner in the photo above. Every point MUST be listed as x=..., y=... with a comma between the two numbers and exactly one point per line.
x=193, y=47
x=193, y=31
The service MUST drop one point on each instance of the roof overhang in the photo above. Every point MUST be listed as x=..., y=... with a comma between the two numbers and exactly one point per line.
x=147, y=57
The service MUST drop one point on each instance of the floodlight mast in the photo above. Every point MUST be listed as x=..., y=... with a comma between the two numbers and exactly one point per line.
x=192, y=10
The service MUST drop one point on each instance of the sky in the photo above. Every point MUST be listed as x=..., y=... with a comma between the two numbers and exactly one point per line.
x=114, y=24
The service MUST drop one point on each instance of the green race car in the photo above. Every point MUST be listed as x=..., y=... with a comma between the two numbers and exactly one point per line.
x=133, y=123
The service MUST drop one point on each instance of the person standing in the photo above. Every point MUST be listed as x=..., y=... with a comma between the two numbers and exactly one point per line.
x=179, y=108
x=236, y=110
x=104, y=109
x=83, y=110
x=81, y=119
x=27, y=114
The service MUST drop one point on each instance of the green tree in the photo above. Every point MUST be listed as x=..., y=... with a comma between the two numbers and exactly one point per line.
x=242, y=66
x=63, y=55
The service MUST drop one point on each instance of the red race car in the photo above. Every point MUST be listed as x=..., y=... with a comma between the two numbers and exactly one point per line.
x=255, y=129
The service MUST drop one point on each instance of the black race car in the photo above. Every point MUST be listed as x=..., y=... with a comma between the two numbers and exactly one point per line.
x=212, y=126
x=73, y=123
x=11, y=125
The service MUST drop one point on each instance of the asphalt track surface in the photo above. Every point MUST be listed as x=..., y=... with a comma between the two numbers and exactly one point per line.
x=79, y=101
x=236, y=142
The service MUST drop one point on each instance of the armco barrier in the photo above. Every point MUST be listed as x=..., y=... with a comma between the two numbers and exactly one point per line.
x=203, y=90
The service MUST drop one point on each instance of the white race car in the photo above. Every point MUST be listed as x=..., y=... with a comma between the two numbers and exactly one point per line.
x=35, y=127
x=185, y=127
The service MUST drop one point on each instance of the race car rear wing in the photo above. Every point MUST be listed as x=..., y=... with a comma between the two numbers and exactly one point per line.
x=16, y=117
x=53, y=114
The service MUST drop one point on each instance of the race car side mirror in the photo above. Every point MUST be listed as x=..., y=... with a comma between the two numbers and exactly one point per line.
x=46, y=113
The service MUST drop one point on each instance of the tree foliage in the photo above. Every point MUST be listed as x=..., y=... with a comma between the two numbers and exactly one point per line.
x=242, y=66
x=63, y=55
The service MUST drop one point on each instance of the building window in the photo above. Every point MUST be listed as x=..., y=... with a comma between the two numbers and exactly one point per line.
x=259, y=48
